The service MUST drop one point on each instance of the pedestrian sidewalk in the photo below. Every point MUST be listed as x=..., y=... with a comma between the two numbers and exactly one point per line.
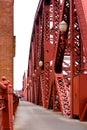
x=32, y=117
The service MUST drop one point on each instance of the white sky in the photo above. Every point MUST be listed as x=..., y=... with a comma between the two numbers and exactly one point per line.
x=24, y=12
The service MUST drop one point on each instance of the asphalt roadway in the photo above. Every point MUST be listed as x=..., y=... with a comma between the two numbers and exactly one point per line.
x=32, y=117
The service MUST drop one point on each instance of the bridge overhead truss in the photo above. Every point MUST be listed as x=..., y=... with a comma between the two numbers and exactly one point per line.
x=57, y=65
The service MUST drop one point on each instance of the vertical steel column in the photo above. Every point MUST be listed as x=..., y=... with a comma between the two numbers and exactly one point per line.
x=48, y=55
x=55, y=32
x=72, y=52
x=32, y=67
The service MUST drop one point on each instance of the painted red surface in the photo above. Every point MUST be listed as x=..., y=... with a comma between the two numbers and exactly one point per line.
x=84, y=4
x=60, y=83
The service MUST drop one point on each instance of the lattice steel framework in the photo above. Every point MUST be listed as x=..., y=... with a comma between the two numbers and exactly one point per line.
x=63, y=57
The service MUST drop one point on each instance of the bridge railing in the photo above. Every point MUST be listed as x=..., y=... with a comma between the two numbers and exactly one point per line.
x=15, y=103
x=8, y=104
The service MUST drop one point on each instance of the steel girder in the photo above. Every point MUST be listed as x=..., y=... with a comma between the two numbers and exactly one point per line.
x=53, y=85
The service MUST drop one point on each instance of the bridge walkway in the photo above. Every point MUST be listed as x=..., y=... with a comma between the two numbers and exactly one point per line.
x=32, y=117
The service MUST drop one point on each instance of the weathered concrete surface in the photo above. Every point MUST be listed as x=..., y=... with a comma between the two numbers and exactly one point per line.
x=32, y=117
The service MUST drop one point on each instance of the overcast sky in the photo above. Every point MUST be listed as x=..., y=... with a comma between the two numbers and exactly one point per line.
x=24, y=12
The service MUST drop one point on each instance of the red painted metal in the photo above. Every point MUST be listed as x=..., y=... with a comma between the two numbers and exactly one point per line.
x=63, y=94
x=15, y=103
x=24, y=86
x=6, y=105
x=82, y=13
x=79, y=94
x=56, y=103
x=64, y=55
x=84, y=114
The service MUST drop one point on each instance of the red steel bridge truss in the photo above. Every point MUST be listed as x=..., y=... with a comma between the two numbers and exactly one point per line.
x=57, y=66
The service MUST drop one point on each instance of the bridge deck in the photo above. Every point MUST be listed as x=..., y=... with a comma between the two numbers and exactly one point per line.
x=32, y=117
